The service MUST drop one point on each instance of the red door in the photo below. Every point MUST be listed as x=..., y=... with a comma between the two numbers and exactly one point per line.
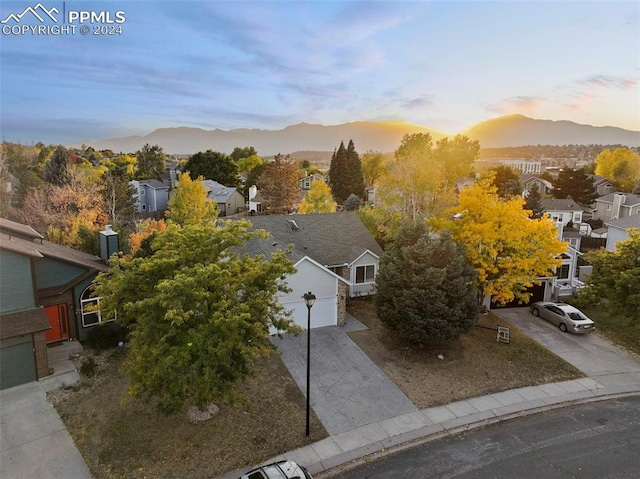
x=59, y=321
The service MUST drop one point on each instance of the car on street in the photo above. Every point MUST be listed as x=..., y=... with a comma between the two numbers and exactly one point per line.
x=563, y=315
x=278, y=470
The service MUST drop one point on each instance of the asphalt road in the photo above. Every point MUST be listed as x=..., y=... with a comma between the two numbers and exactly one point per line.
x=595, y=440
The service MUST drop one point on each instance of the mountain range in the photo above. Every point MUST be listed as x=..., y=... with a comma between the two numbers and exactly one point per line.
x=504, y=131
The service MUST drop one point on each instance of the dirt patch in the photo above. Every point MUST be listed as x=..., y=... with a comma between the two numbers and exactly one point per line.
x=124, y=438
x=474, y=365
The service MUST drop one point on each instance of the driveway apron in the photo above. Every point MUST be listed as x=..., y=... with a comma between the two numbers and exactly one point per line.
x=34, y=442
x=347, y=389
x=590, y=353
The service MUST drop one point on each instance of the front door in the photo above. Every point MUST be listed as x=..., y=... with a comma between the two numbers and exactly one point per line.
x=59, y=322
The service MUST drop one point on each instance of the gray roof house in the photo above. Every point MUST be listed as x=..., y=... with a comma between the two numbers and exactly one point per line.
x=335, y=256
x=228, y=199
x=618, y=230
x=616, y=205
x=152, y=197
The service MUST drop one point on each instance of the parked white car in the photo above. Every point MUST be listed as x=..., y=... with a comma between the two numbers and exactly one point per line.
x=563, y=315
x=278, y=470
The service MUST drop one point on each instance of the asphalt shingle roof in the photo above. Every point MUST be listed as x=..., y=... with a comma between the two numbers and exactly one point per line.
x=331, y=239
x=630, y=198
x=556, y=204
x=625, y=222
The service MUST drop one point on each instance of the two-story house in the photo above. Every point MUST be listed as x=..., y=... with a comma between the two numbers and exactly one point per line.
x=151, y=197
x=45, y=298
x=616, y=205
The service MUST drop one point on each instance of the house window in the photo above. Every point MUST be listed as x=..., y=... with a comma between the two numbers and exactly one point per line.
x=365, y=274
x=143, y=192
x=90, y=309
x=608, y=207
x=563, y=272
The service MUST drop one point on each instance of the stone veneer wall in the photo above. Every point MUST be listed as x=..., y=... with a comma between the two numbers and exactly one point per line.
x=42, y=360
x=343, y=291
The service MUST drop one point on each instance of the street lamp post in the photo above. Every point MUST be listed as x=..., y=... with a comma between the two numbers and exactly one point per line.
x=309, y=299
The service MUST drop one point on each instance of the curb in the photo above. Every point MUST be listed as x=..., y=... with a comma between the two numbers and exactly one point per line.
x=345, y=461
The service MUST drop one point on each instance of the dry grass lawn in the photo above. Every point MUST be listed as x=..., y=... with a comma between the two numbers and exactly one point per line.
x=129, y=439
x=474, y=365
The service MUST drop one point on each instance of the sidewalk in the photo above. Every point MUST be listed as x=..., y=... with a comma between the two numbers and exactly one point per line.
x=384, y=437
x=610, y=373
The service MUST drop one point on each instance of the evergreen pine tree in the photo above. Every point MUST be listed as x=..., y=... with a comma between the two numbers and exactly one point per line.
x=577, y=184
x=353, y=171
x=337, y=174
x=533, y=202
x=58, y=170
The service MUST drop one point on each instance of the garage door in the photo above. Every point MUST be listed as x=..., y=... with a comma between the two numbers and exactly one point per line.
x=17, y=363
x=324, y=312
x=537, y=294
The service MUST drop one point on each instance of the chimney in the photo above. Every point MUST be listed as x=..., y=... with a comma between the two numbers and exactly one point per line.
x=618, y=200
x=109, y=242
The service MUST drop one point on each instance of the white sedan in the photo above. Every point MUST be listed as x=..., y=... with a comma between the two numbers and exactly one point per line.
x=278, y=470
x=563, y=315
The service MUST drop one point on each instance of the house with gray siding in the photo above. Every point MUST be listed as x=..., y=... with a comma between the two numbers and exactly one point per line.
x=616, y=205
x=151, y=197
x=618, y=230
x=45, y=298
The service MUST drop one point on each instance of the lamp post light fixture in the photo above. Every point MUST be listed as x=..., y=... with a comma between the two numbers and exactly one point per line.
x=309, y=299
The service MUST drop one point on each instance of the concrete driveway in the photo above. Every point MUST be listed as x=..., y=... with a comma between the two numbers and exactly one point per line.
x=347, y=389
x=590, y=353
x=34, y=443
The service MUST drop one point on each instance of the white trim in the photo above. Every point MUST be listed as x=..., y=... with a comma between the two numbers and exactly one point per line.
x=365, y=252
x=97, y=312
x=365, y=266
x=307, y=258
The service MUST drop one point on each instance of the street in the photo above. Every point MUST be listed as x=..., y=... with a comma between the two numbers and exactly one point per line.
x=594, y=440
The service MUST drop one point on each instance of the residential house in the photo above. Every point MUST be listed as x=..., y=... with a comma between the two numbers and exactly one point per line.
x=568, y=216
x=602, y=185
x=152, y=197
x=228, y=199
x=332, y=249
x=618, y=229
x=255, y=200
x=370, y=195
x=306, y=181
x=616, y=205
x=528, y=182
x=45, y=298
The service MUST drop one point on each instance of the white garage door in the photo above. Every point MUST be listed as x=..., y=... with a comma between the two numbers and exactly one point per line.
x=324, y=312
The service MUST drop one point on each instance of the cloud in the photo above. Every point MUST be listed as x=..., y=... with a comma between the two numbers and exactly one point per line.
x=517, y=104
x=608, y=81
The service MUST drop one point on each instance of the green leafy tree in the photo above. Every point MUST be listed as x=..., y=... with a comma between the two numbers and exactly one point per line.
x=373, y=166
x=239, y=153
x=118, y=195
x=621, y=166
x=425, y=288
x=199, y=312
x=253, y=178
x=59, y=171
x=278, y=185
x=577, y=184
x=421, y=178
x=506, y=181
x=189, y=205
x=318, y=199
x=616, y=276
x=213, y=165
x=533, y=203
x=249, y=163
x=151, y=162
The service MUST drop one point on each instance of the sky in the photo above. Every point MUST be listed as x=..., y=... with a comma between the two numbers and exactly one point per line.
x=270, y=64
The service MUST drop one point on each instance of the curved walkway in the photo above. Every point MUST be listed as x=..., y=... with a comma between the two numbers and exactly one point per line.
x=612, y=373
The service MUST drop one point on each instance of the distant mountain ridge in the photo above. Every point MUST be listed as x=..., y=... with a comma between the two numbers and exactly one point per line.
x=511, y=130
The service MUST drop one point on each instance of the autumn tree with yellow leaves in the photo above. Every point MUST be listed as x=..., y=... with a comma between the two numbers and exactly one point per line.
x=509, y=250
x=318, y=200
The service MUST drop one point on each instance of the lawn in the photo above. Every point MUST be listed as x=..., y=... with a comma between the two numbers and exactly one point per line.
x=474, y=365
x=129, y=439
x=622, y=331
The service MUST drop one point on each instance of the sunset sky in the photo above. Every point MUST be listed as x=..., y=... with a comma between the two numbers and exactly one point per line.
x=270, y=64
